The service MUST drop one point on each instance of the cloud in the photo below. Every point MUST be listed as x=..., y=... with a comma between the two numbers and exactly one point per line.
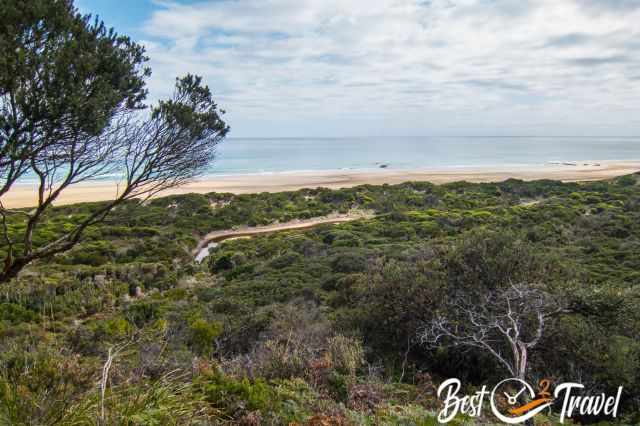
x=402, y=66
x=569, y=40
x=495, y=84
x=610, y=5
x=602, y=60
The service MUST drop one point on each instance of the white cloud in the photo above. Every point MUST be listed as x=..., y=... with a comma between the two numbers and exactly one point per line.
x=362, y=67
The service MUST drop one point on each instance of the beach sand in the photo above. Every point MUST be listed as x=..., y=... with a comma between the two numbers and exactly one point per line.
x=24, y=195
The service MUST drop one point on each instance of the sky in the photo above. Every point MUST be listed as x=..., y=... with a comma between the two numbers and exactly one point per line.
x=331, y=68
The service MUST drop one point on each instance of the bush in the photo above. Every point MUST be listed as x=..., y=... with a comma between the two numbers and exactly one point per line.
x=220, y=264
x=349, y=262
x=285, y=260
x=16, y=314
x=202, y=335
x=40, y=387
x=628, y=180
x=296, y=336
x=346, y=354
x=339, y=238
x=236, y=397
x=111, y=329
x=339, y=386
x=490, y=259
x=141, y=313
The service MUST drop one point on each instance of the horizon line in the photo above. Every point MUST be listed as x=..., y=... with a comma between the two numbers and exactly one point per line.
x=436, y=136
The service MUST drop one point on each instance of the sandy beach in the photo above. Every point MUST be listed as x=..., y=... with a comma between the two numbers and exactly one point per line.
x=24, y=195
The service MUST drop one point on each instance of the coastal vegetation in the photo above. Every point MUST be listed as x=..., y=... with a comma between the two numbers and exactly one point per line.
x=320, y=325
x=335, y=307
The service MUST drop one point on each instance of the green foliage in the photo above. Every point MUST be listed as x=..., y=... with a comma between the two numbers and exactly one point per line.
x=142, y=313
x=69, y=92
x=338, y=385
x=490, y=259
x=15, y=314
x=295, y=321
x=628, y=180
x=230, y=395
x=203, y=334
x=85, y=72
x=285, y=260
x=167, y=401
x=222, y=263
x=192, y=109
x=29, y=379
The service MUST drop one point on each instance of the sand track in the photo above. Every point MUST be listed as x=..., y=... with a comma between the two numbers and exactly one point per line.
x=298, y=224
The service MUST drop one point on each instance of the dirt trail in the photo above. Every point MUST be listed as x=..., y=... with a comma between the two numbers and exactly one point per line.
x=250, y=231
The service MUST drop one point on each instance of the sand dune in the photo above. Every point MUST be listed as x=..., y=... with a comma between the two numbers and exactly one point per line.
x=24, y=195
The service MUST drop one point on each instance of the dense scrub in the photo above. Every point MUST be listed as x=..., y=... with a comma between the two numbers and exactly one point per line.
x=319, y=325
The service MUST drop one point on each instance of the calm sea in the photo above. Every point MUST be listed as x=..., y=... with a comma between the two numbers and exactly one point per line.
x=247, y=156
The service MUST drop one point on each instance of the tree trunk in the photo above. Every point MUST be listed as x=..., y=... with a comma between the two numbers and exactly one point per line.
x=12, y=269
x=522, y=374
x=522, y=365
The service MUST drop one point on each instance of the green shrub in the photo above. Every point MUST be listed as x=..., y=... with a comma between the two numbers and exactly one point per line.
x=16, y=314
x=628, y=180
x=349, y=262
x=40, y=387
x=221, y=263
x=234, y=397
x=339, y=385
x=111, y=329
x=285, y=260
x=167, y=401
x=340, y=238
x=141, y=313
x=202, y=334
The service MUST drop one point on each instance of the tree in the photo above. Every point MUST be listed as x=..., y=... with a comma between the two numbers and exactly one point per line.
x=503, y=308
x=507, y=322
x=61, y=77
x=71, y=92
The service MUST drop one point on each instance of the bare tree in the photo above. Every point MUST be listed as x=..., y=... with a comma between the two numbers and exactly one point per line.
x=174, y=144
x=506, y=322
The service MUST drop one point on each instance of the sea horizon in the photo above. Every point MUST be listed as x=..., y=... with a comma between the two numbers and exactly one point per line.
x=251, y=156
x=267, y=155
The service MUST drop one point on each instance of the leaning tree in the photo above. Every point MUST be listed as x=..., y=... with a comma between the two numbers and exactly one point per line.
x=71, y=110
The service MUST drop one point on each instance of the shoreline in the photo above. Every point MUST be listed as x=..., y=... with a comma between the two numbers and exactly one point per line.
x=24, y=194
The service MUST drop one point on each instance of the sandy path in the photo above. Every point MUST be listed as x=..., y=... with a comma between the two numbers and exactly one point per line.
x=249, y=231
x=24, y=195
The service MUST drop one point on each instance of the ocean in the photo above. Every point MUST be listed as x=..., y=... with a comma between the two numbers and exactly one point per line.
x=271, y=155
x=241, y=156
